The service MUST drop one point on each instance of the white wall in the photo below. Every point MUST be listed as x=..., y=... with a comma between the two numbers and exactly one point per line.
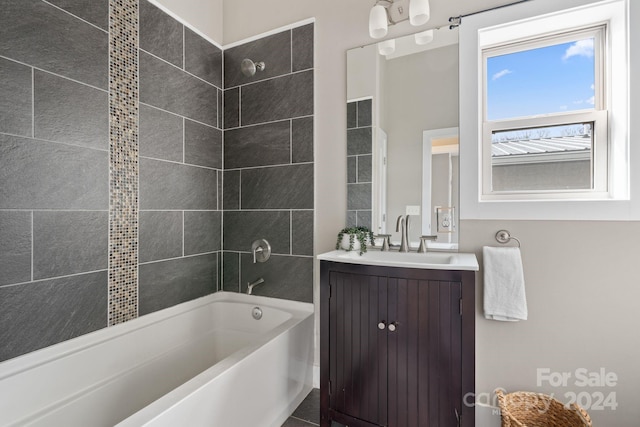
x=582, y=282
x=582, y=294
x=362, y=82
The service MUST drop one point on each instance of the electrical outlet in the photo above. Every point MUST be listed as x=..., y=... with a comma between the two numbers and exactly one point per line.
x=446, y=219
x=413, y=210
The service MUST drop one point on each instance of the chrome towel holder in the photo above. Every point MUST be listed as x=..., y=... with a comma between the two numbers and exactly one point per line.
x=503, y=236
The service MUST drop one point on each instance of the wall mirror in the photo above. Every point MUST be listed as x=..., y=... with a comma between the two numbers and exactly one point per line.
x=402, y=136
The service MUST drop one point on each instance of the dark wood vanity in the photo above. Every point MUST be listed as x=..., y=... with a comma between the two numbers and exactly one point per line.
x=397, y=346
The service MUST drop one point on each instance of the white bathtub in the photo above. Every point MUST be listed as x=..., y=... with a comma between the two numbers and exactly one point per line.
x=206, y=362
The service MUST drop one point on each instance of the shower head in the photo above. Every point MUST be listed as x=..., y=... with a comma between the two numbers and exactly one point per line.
x=249, y=67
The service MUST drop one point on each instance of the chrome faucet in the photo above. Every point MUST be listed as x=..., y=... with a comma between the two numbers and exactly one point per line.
x=402, y=226
x=252, y=284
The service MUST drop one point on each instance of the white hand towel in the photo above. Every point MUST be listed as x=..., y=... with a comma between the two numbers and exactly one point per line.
x=504, y=294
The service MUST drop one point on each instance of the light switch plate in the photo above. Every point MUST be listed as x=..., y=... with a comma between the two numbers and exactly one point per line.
x=413, y=210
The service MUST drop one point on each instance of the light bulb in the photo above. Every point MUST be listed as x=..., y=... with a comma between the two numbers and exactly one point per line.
x=378, y=22
x=424, y=37
x=419, y=12
x=387, y=47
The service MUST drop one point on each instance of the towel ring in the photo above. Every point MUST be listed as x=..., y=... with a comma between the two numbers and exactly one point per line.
x=503, y=236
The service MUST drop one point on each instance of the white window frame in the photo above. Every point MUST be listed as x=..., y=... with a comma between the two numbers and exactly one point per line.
x=531, y=21
x=598, y=116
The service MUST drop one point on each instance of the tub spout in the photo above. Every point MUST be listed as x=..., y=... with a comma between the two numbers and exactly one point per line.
x=252, y=284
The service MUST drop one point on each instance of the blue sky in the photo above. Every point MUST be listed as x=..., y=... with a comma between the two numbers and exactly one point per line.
x=545, y=80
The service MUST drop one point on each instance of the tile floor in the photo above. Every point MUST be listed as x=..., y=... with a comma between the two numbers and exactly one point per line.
x=308, y=413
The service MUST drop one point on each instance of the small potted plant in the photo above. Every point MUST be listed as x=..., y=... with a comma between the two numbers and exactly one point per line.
x=354, y=239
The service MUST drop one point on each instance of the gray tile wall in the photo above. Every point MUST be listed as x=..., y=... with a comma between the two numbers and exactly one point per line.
x=180, y=162
x=359, y=156
x=54, y=172
x=269, y=165
x=75, y=305
x=36, y=33
x=247, y=147
x=55, y=168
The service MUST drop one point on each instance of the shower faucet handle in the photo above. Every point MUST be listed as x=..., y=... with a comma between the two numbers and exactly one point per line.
x=261, y=250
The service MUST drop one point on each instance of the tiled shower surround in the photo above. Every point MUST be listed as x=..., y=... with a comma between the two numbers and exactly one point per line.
x=268, y=158
x=111, y=201
x=180, y=162
x=54, y=173
x=359, y=158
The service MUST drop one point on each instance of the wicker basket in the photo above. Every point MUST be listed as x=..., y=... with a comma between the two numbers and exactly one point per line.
x=527, y=409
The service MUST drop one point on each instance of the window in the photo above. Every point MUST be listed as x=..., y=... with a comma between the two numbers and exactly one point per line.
x=545, y=130
x=542, y=138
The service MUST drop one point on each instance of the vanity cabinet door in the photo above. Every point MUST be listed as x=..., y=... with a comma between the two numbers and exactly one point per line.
x=424, y=353
x=358, y=346
x=392, y=346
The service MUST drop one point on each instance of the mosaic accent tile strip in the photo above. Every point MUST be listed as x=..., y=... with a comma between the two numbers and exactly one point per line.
x=123, y=161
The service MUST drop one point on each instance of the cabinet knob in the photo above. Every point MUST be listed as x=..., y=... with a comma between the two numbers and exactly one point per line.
x=392, y=327
x=381, y=325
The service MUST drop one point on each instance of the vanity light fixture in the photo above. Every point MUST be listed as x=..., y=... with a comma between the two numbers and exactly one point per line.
x=378, y=21
x=424, y=37
x=419, y=12
x=405, y=45
x=390, y=12
x=387, y=47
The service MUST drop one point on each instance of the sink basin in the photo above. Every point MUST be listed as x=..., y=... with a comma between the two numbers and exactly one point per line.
x=398, y=257
x=429, y=260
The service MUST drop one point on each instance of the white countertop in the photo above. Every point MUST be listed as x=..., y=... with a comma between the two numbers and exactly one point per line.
x=428, y=260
